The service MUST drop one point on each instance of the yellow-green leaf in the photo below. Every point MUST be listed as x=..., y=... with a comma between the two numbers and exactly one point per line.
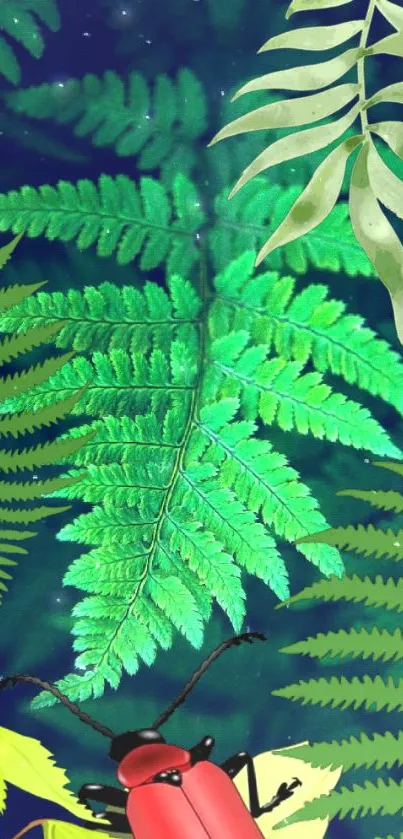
x=307, y=77
x=290, y=112
x=392, y=133
x=55, y=829
x=314, y=37
x=7, y=250
x=25, y=763
x=311, y=5
x=316, y=201
x=391, y=45
x=295, y=145
x=392, y=12
x=376, y=235
x=391, y=93
x=387, y=187
x=3, y=795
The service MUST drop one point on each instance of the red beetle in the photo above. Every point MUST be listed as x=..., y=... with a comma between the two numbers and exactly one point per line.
x=173, y=793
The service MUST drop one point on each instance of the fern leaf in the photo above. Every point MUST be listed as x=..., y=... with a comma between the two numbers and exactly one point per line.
x=368, y=540
x=18, y=20
x=383, y=798
x=344, y=693
x=115, y=215
x=6, y=251
x=382, y=750
x=11, y=347
x=16, y=424
x=381, y=499
x=376, y=644
x=159, y=128
x=380, y=593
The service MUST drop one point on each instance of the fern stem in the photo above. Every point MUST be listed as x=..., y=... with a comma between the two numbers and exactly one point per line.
x=360, y=66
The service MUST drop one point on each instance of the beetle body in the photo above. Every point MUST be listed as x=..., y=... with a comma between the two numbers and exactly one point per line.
x=201, y=802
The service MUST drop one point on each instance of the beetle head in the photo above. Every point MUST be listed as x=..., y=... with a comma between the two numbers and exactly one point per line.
x=122, y=744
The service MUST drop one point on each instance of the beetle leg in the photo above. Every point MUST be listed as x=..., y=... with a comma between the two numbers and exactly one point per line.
x=112, y=797
x=202, y=750
x=237, y=762
x=103, y=793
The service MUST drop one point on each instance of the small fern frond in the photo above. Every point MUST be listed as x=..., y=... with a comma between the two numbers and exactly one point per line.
x=115, y=215
x=378, y=644
x=379, y=593
x=372, y=694
x=159, y=128
x=381, y=499
x=18, y=20
x=12, y=460
x=380, y=751
x=365, y=540
x=383, y=798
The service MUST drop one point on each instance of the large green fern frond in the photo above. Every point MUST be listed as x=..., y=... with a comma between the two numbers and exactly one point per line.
x=19, y=20
x=16, y=425
x=374, y=692
x=173, y=399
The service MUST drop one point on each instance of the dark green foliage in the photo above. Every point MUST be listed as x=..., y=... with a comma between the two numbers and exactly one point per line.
x=372, y=691
x=21, y=21
x=161, y=128
x=15, y=425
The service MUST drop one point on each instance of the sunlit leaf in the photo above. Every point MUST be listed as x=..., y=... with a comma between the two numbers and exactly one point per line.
x=307, y=77
x=386, y=186
x=377, y=236
x=291, y=112
x=314, y=37
x=55, y=829
x=3, y=795
x=316, y=201
x=271, y=771
x=302, y=142
x=25, y=763
x=392, y=133
x=311, y=5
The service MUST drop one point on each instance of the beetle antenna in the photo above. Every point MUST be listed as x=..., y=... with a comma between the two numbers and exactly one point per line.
x=247, y=637
x=34, y=680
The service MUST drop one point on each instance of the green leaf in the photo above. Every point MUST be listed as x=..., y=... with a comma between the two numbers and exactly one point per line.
x=314, y=37
x=26, y=764
x=384, y=183
x=316, y=201
x=391, y=132
x=289, y=147
x=377, y=236
x=312, y=5
x=18, y=19
x=291, y=112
